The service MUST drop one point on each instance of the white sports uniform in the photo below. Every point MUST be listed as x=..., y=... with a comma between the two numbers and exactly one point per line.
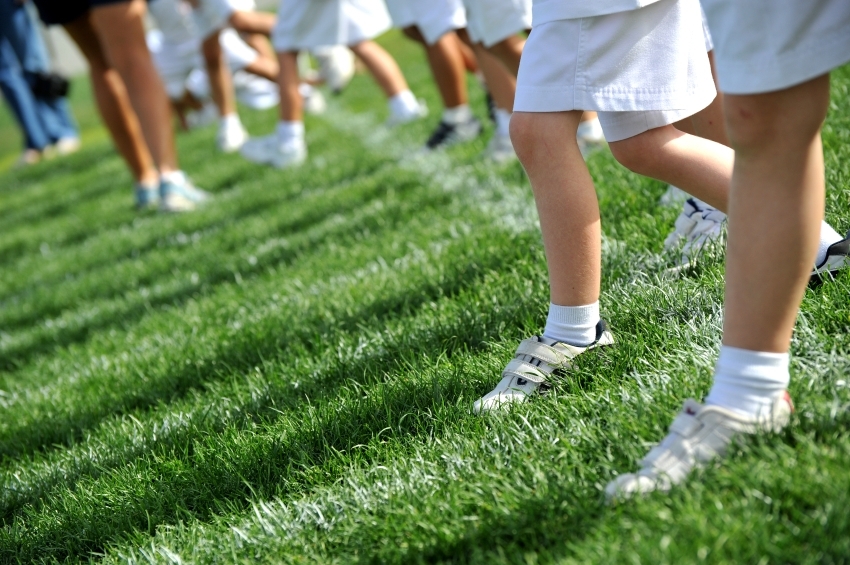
x=640, y=68
x=307, y=24
x=212, y=15
x=768, y=45
x=493, y=21
x=434, y=18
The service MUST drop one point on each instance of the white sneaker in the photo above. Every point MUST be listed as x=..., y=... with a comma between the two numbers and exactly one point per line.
x=528, y=372
x=196, y=119
x=697, y=435
x=314, y=101
x=590, y=136
x=336, y=66
x=697, y=225
x=674, y=196
x=837, y=258
x=231, y=139
x=67, y=145
x=500, y=149
x=178, y=194
x=268, y=151
x=413, y=114
x=447, y=134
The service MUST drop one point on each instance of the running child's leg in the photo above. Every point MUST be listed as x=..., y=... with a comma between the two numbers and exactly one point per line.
x=403, y=104
x=231, y=135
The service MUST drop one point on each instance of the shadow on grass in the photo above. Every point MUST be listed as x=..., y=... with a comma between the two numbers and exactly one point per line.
x=16, y=357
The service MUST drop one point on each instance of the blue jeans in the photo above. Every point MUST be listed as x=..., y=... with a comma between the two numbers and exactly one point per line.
x=22, y=55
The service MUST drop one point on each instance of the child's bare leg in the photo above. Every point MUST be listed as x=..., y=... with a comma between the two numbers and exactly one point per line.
x=383, y=67
x=447, y=66
x=566, y=202
x=779, y=174
x=509, y=52
x=500, y=82
x=291, y=103
x=113, y=102
x=698, y=166
x=265, y=67
x=253, y=22
x=221, y=82
x=121, y=31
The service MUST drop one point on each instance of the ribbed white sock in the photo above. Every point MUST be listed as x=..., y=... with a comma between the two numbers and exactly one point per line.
x=458, y=114
x=403, y=104
x=290, y=134
x=176, y=177
x=503, y=122
x=748, y=382
x=828, y=236
x=575, y=325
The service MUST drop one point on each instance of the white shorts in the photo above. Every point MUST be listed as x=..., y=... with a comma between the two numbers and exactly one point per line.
x=709, y=42
x=434, y=18
x=767, y=45
x=237, y=53
x=173, y=61
x=306, y=24
x=640, y=69
x=492, y=21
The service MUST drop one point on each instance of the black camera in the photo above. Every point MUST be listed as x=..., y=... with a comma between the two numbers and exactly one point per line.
x=49, y=86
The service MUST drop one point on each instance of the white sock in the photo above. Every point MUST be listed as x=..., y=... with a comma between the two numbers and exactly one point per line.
x=575, y=325
x=503, y=122
x=290, y=134
x=305, y=90
x=230, y=122
x=748, y=382
x=457, y=115
x=176, y=177
x=828, y=236
x=403, y=104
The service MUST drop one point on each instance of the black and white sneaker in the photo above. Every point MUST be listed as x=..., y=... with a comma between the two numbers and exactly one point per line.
x=528, y=372
x=448, y=134
x=837, y=258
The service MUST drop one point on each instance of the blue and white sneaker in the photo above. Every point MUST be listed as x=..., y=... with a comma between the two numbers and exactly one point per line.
x=147, y=197
x=178, y=194
x=696, y=226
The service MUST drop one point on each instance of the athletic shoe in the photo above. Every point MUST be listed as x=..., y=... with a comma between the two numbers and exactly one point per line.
x=447, y=134
x=500, y=149
x=837, y=258
x=697, y=225
x=147, y=197
x=491, y=106
x=413, y=114
x=268, y=151
x=697, y=435
x=178, y=194
x=528, y=372
x=674, y=196
x=314, y=101
x=590, y=136
x=231, y=139
x=196, y=119
x=67, y=145
x=336, y=66
x=28, y=157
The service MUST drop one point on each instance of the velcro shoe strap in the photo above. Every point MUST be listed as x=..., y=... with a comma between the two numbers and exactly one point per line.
x=540, y=350
x=685, y=425
x=659, y=458
x=523, y=370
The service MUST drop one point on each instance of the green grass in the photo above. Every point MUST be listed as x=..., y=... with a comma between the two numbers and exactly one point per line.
x=287, y=375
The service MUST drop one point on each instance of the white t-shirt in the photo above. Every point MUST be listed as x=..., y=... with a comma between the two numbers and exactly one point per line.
x=174, y=20
x=550, y=10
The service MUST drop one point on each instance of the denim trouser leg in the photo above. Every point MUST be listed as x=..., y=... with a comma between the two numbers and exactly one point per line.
x=19, y=28
x=17, y=93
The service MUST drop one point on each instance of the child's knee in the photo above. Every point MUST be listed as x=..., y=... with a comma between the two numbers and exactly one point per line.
x=637, y=153
x=523, y=134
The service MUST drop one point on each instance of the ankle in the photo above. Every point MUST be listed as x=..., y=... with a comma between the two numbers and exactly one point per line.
x=457, y=115
x=575, y=325
x=748, y=382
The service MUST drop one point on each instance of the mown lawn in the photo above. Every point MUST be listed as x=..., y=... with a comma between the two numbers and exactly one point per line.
x=287, y=375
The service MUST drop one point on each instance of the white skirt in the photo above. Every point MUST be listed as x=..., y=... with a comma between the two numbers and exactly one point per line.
x=434, y=18
x=493, y=21
x=650, y=63
x=306, y=24
x=767, y=45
